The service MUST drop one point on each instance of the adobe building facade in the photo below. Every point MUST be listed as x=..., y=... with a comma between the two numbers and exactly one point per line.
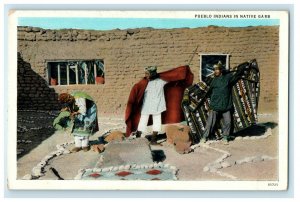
x=125, y=54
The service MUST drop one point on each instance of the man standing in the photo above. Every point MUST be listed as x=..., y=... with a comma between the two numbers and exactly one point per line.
x=220, y=101
x=159, y=95
x=153, y=103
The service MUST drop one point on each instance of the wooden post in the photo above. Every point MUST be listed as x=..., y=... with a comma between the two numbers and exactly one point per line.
x=95, y=72
x=200, y=69
x=85, y=73
x=68, y=74
x=58, y=73
x=227, y=61
x=76, y=71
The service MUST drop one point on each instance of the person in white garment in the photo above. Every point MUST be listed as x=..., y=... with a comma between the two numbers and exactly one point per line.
x=153, y=103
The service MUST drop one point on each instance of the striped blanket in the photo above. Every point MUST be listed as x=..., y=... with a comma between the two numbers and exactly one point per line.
x=245, y=97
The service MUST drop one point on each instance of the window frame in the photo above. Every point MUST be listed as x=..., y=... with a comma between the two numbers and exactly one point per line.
x=76, y=61
x=211, y=54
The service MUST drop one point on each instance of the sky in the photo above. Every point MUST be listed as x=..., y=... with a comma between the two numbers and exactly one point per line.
x=126, y=23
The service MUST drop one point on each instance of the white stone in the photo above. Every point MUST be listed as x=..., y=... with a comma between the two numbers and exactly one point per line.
x=206, y=169
x=166, y=165
x=121, y=167
x=46, y=158
x=115, y=168
x=27, y=177
x=95, y=169
x=246, y=138
x=101, y=158
x=253, y=137
x=105, y=169
x=61, y=149
x=219, y=160
x=127, y=167
x=238, y=138
x=217, y=166
x=146, y=166
x=248, y=159
x=265, y=157
x=66, y=151
x=173, y=167
x=36, y=171
x=268, y=132
x=213, y=169
x=42, y=163
x=239, y=162
x=89, y=170
x=225, y=155
x=225, y=164
x=78, y=176
x=256, y=159
x=81, y=171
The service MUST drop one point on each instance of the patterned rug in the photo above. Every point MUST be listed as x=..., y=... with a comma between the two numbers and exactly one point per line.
x=245, y=97
x=130, y=172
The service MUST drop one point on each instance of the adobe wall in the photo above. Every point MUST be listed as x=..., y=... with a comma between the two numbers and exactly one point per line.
x=127, y=52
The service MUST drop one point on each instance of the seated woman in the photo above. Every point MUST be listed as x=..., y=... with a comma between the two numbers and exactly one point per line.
x=79, y=116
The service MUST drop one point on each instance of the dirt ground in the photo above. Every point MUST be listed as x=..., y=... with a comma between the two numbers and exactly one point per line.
x=253, y=155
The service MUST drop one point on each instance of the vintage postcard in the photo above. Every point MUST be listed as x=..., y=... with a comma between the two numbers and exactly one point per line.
x=148, y=100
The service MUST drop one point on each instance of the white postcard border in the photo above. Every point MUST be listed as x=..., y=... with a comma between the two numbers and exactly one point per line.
x=13, y=183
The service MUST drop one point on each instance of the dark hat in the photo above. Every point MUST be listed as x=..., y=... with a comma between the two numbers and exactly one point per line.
x=151, y=69
x=218, y=66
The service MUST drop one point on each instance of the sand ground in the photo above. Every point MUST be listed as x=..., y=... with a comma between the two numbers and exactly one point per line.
x=251, y=156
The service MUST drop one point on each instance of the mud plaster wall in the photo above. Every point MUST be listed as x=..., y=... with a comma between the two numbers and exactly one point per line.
x=127, y=52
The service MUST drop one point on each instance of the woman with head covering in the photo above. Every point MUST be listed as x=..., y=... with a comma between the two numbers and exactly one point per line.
x=79, y=116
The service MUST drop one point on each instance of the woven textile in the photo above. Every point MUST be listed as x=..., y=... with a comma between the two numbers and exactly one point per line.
x=245, y=97
x=132, y=172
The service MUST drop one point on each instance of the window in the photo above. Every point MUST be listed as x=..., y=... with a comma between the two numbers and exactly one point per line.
x=207, y=61
x=75, y=72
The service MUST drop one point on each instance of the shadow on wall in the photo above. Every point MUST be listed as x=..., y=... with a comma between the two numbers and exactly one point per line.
x=35, y=100
x=33, y=90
